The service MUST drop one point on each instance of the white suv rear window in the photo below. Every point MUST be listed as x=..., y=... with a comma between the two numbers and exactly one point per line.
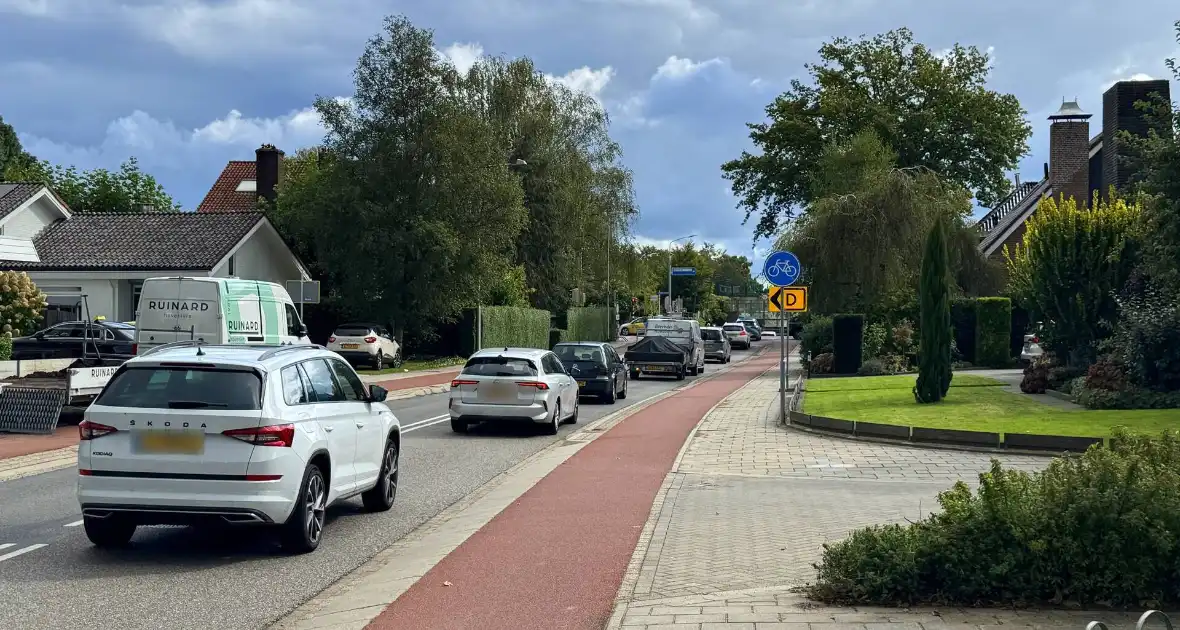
x=182, y=387
x=500, y=366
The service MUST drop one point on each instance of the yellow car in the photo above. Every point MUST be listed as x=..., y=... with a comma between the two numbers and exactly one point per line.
x=634, y=328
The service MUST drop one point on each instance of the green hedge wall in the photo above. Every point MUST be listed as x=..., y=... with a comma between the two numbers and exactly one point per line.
x=6, y=347
x=591, y=323
x=963, y=319
x=847, y=342
x=993, y=316
x=557, y=335
x=507, y=326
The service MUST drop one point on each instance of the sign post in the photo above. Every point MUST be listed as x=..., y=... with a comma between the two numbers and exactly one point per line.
x=782, y=269
x=304, y=292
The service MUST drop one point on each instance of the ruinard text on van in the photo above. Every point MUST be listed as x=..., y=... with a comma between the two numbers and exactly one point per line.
x=177, y=305
x=238, y=326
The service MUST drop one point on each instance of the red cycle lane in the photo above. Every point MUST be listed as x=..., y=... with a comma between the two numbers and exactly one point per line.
x=555, y=558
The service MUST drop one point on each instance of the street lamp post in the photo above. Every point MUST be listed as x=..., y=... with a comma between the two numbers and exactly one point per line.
x=670, y=268
x=517, y=163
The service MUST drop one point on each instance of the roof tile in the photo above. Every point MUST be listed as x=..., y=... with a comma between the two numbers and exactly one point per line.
x=157, y=241
x=13, y=194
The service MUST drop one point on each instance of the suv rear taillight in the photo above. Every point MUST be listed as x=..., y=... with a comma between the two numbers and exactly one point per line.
x=88, y=430
x=273, y=435
x=370, y=340
x=538, y=384
x=457, y=382
x=1036, y=340
x=332, y=339
x=134, y=348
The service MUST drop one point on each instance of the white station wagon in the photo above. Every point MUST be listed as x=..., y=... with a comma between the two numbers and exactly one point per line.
x=514, y=384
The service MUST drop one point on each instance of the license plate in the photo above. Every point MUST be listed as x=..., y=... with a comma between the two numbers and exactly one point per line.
x=581, y=383
x=656, y=368
x=502, y=392
x=170, y=442
x=349, y=346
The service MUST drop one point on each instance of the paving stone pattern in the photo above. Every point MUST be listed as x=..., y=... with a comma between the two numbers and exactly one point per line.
x=746, y=512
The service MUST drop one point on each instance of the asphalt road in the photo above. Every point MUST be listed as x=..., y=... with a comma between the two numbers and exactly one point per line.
x=182, y=578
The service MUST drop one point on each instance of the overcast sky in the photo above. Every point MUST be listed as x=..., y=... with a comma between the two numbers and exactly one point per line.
x=185, y=85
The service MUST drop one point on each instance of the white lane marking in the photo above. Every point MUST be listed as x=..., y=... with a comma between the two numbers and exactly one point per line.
x=422, y=424
x=74, y=524
x=4, y=546
x=22, y=551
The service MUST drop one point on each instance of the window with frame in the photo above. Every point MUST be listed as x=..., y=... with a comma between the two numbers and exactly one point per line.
x=323, y=382
x=354, y=389
x=294, y=387
x=294, y=325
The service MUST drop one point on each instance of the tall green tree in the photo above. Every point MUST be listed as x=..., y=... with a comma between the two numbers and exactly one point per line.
x=934, y=353
x=933, y=110
x=12, y=154
x=1069, y=268
x=127, y=189
x=417, y=214
x=862, y=235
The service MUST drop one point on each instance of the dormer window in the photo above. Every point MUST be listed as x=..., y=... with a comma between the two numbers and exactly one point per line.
x=248, y=186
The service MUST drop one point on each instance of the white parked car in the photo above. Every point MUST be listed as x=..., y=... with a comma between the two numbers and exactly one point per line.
x=514, y=384
x=1032, y=349
x=739, y=336
x=363, y=343
x=191, y=434
x=769, y=334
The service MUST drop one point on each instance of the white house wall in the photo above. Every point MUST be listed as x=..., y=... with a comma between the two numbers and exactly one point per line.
x=101, y=295
x=30, y=220
x=263, y=256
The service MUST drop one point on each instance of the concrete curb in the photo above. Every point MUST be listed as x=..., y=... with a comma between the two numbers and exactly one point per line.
x=38, y=463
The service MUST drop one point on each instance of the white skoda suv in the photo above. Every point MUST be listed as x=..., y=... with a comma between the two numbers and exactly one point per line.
x=190, y=434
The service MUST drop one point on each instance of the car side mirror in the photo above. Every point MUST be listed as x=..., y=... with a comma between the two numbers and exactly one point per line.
x=377, y=393
x=302, y=330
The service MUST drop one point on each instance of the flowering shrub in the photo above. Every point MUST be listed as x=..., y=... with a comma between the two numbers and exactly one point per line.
x=21, y=303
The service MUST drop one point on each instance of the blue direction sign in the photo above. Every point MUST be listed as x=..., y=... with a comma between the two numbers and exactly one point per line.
x=684, y=271
x=782, y=269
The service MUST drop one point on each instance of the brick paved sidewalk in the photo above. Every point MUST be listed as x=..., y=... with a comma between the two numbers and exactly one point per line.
x=744, y=514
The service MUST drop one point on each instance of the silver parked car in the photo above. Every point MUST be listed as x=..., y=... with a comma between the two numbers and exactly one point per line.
x=739, y=336
x=514, y=384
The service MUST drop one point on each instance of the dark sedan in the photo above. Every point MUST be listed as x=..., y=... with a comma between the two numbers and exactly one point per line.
x=66, y=340
x=596, y=367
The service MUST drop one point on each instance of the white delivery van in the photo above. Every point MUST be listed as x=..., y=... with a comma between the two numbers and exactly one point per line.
x=216, y=311
x=686, y=333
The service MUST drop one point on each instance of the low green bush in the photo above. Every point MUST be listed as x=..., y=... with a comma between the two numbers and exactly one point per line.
x=557, y=335
x=6, y=346
x=1036, y=377
x=822, y=363
x=873, y=367
x=993, y=328
x=1097, y=529
x=1130, y=397
x=873, y=343
x=817, y=336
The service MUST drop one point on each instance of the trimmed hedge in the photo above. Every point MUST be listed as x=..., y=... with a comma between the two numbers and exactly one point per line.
x=817, y=336
x=993, y=331
x=507, y=326
x=963, y=319
x=591, y=323
x=847, y=342
x=6, y=347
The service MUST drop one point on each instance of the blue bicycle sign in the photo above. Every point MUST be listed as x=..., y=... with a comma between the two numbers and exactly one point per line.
x=782, y=269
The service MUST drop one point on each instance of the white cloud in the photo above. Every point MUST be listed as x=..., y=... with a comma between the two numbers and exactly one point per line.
x=463, y=56
x=679, y=67
x=34, y=8
x=585, y=79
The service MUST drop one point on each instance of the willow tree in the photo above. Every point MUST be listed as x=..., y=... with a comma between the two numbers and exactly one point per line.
x=934, y=295
x=1069, y=268
x=861, y=238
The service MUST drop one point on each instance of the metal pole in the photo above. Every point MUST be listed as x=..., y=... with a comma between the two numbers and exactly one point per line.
x=669, y=279
x=782, y=366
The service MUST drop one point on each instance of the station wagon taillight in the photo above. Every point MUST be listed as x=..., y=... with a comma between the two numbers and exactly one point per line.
x=88, y=430
x=332, y=339
x=273, y=435
x=370, y=340
x=538, y=384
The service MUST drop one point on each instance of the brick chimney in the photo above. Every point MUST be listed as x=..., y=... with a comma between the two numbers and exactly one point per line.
x=1069, y=153
x=1120, y=114
x=268, y=163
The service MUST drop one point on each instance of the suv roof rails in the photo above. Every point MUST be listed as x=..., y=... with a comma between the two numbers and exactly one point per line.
x=185, y=343
x=289, y=347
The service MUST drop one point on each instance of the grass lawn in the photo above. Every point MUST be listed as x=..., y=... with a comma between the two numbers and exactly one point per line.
x=974, y=403
x=416, y=365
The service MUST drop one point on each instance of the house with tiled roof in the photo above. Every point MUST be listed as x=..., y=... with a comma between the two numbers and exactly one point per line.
x=1079, y=164
x=107, y=256
x=242, y=183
